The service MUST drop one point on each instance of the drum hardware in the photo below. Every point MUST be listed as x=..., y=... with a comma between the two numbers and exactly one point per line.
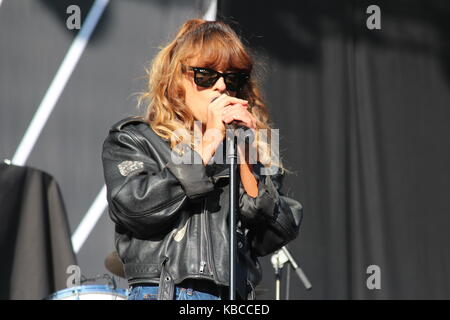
x=90, y=292
x=111, y=280
x=86, y=291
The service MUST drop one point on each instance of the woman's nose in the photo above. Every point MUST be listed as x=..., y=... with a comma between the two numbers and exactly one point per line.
x=220, y=85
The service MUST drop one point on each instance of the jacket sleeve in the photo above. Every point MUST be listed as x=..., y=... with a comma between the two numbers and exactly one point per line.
x=273, y=219
x=144, y=197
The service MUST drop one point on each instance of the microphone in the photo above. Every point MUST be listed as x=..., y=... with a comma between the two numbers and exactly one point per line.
x=238, y=125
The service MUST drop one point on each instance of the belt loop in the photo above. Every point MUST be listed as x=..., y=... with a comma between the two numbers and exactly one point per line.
x=166, y=285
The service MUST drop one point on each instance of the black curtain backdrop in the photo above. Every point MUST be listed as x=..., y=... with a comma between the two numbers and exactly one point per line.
x=364, y=119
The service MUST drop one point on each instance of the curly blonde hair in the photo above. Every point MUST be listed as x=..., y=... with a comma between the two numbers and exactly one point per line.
x=216, y=46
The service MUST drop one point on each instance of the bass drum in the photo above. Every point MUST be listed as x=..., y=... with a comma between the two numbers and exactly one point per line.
x=90, y=292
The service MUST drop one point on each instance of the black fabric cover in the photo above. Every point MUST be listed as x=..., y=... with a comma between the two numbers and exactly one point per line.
x=34, y=234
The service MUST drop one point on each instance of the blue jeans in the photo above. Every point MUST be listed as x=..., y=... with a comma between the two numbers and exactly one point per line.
x=151, y=293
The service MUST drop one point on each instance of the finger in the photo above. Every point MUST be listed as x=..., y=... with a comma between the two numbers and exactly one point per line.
x=227, y=120
x=240, y=118
x=228, y=111
x=234, y=100
x=237, y=108
x=219, y=101
x=234, y=116
x=231, y=118
x=244, y=118
x=224, y=98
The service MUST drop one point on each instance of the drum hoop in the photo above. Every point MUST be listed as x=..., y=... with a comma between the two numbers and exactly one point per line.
x=88, y=289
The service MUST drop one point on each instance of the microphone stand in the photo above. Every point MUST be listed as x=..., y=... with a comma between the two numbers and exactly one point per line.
x=235, y=132
x=278, y=260
x=278, y=266
x=288, y=282
x=234, y=180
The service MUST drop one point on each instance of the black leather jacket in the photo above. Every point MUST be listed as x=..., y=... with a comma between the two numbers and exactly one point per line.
x=172, y=219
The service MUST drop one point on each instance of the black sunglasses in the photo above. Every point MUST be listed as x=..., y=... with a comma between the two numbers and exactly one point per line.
x=205, y=77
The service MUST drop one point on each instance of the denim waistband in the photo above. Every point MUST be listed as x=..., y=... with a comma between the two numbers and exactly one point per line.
x=200, y=285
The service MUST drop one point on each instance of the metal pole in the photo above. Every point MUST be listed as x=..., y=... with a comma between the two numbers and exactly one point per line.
x=297, y=269
x=232, y=157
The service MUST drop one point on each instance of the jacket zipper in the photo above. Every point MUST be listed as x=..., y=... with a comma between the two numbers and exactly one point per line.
x=202, y=250
x=202, y=266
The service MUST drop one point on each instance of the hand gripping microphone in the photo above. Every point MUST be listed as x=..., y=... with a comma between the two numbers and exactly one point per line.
x=244, y=132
